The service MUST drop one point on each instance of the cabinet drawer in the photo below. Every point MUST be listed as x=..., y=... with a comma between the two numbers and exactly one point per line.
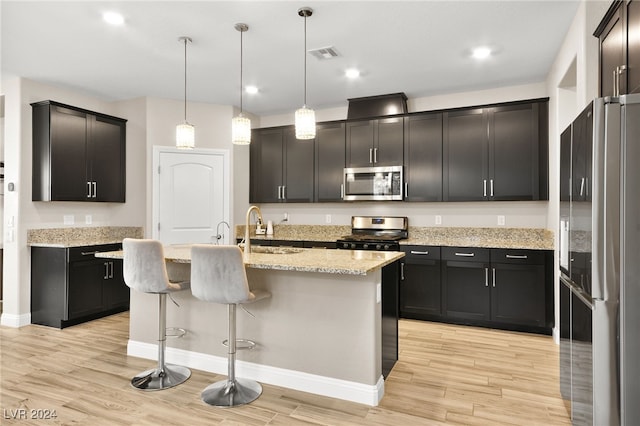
x=418, y=254
x=87, y=252
x=471, y=254
x=517, y=256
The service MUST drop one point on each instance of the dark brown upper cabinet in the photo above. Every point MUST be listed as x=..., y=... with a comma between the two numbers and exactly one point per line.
x=330, y=161
x=619, y=38
x=281, y=166
x=78, y=155
x=372, y=143
x=497, y=153
x=423, y=157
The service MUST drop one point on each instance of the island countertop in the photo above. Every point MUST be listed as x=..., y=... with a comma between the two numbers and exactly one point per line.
x=345, y=262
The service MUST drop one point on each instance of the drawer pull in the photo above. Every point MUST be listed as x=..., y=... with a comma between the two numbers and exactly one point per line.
x=88, y=253
x=465, y=254
x=419, y=252
x=486, y=277
x=517, y=256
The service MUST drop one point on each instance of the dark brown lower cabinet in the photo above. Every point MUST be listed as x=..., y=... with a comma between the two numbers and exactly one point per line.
x=70, y=285
x=499, y=288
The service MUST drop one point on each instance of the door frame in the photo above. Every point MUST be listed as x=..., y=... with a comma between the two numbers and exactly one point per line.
x=226, y=188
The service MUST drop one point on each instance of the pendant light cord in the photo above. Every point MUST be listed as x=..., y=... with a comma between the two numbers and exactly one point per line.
x=241, y=71
x=305, y=59
x=185, y=79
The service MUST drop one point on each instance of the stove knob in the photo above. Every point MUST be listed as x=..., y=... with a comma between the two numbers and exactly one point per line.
x=378, y=246
x=353, y=246
x=345, y=245
x=365, y=246
x=386, y=246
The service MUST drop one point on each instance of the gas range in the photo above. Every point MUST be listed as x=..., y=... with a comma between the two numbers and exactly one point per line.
x=375, y=233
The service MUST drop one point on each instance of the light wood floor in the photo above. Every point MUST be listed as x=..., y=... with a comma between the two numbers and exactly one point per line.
x=446, y=375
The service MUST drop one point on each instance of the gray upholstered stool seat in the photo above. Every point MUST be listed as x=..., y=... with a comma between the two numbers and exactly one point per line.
x=145, y=270
x=218, y=276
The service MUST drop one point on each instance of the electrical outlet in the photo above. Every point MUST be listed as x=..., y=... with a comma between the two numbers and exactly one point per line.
x=88, y=219
x=68, y=219
x=501, y=220
x=327, y=218
x=438, y=219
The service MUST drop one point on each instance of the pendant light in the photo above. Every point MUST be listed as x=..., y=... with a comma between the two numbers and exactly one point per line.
x=185, y=132
x=305, y=117
x=241, y=125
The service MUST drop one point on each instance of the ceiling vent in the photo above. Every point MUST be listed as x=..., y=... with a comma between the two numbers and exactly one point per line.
x=325, y=53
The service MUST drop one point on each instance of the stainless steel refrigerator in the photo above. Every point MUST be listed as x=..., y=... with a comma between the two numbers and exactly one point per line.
x=600, y=263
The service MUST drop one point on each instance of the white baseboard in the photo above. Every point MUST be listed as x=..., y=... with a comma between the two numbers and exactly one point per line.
x=16, y=321
x=305, y=382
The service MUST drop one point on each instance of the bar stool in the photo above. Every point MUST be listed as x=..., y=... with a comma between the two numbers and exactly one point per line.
x=145, y=270
x=218, y=276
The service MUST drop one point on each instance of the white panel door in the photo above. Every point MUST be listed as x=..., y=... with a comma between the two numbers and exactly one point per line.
x=192, y=195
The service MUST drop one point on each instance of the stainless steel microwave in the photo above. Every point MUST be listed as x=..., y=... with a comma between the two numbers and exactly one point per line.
x=372, y=183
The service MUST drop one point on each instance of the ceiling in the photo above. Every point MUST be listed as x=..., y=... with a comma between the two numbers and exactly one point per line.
x=421, y=48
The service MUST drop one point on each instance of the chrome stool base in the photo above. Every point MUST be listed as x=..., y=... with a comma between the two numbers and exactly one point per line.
x=156, y=379
x=228, y=393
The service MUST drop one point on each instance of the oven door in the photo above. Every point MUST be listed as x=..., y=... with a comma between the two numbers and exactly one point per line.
x=372, y=183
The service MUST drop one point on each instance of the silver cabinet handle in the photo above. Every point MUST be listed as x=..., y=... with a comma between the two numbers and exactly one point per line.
x=486, y=277
x=371, y=155
x=342, y=191
x=88, y=253
x=88, y=189
x=465, y=254
x=284, y=192
x=406, y=189
x=106, y=271
x=491, y=187
x=493, y=272
x=95, y=191
x=279, y=192
x=111, y=274
x=484, y=184
x=420, y=252
x=581, y=187
x=616, y=79
x=402, y=272
x=375, y=155
x=517, y=256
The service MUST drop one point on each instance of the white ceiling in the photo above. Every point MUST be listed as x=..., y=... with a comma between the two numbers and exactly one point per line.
x=420, y=48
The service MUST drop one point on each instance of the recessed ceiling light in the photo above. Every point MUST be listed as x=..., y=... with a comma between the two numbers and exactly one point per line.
x=113, y=18
x=352, y=73
x=251, y=90
x=481, y=52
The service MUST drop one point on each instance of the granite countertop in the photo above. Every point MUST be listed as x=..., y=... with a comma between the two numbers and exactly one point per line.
x=80, y=237
x=345, y=262
x=512, y=238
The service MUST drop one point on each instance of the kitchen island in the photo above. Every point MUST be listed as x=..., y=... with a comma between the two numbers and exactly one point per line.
x=320, y=332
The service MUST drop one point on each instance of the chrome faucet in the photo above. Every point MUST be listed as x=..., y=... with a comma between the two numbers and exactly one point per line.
x=220, y=236
x=247, y=237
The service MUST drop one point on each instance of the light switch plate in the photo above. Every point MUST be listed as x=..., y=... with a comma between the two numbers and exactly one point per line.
x=327, y=218
x=68, y=219
x=501, y=220
x=438, y=219
x=88, y=219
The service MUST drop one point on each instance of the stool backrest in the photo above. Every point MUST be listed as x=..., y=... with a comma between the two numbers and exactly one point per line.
x=144, y=266
x=218, y=274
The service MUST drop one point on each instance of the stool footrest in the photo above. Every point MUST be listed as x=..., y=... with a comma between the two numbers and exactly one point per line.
x=241, y=344
x=175, y=332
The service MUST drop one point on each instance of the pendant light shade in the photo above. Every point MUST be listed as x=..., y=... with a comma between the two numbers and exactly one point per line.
x=185, y=132
x=241, y=125
x=305, y=118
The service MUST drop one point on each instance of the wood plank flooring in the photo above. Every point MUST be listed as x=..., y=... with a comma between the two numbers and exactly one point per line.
x=446, y=374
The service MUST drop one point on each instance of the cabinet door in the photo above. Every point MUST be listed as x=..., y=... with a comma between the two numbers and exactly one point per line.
x=423, y=157
x=612, y=54
x=513, y=152
x=107, y=159
x=633, y=46
x=298, y=168
x=465, y=155
x=420, y=289
x=518, y=294
x=68, y=162
x=85, y=288
x=467, y=292
x=330, y=161
x=388, y=148
x=267, y=165
x=360, y=140
x=116, y=292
